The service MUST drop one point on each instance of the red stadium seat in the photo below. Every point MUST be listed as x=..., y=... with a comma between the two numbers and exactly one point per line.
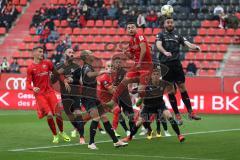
x=94, y=46
x=184, y=64
x=94, y=31
x=89, y=39
x=140, y=31
x=23, y=2
x=230, y=32
x=204, y=47
x=190, y=56
x=68, y=30
x=99, y=23
x=227, y=40
x=202, y=72
x=116, y=39
x=200, y=56
x=108, y=23
x=80, y=39
x=64, y=23
x=98, y=39
x=214, y=23
x=62, y=2
x=115, y=23
x=205, y=64
x=23, y=69
x=32, y=31
x=101, y=47
x=28, y=62
x=15, y=2
x=17, y=55
x=108, y=39
x=217, y=39
x=84, y=46
x=121, y=31
x=218, y=56
x=60, y=30
x=222, y=48
x=148, y=31
x=206, y=24
x=2, y=30
x=27, y=39
x=85, y=31
x=152, y=39
x=74, y=39
x=50, y=46
x=19, y=9
x=220, y=32
x=71, y=1
x=57, y=23
x=237, y=32
x=202, y=31
x=21, y=62
x=103, y=31
x=213, y=48
x=76, y=31
x=198, y=39
x=22, y=46
x=90, y=23
x=125, y=38
x=31, y=46
x=208, y=39
x=211, y=32
x=211, y=72
x=156, y=31
x=198, y=64
x=112, y=31
x=209, y=56
x=215, y=65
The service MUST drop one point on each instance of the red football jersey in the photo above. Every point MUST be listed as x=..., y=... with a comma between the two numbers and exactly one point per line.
x=103, y=82
x=39, y=74
x=134, y=48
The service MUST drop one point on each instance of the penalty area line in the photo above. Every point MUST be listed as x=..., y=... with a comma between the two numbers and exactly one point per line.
x=99, y=142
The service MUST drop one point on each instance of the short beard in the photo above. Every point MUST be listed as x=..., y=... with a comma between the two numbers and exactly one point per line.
x=170, y=30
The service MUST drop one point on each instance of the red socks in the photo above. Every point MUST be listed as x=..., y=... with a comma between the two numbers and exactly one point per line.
x=59, y=121
x=52, y=126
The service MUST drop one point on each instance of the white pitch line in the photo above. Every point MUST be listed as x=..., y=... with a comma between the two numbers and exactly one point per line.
x=76, y=144
x=122, y=155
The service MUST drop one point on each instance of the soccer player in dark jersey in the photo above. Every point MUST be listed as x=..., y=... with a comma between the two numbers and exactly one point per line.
x=153, y=103
x=71, y=95
x=140, y=52
x=90, y=101
x=168, y=43
x=38, y=73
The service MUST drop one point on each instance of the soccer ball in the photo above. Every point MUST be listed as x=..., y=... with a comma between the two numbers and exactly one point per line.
x=167, y=10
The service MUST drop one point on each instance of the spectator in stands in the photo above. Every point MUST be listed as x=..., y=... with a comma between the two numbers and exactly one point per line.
x=43, y=8
x=62, y=12
x=49, y=22
x=152, y=19
x=196, y=6
x=2, y=4
x=220, y=15
x=54, y=35
x=82, y=21
x=122, y=21
x=90, y=3
x=57, y=58
x=112, y=12
x=232, y=21
x=132, y=16
x=191, y=69
x=5, y=65
x=9, y=14
x=102, y=12
x=144, y=2
x=141, y=22
x=94, y=12
x=44, y=35
x=51, y=12
x=73, y=20
x=60, y=47
x=68, y=41
x=14, y=66
x=36, y=19
x=39, y=29
x=85, y=11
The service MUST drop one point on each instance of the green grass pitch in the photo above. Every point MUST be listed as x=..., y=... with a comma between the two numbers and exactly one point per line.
x=215, y=137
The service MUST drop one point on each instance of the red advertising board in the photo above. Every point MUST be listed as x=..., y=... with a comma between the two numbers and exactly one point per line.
x=231, y=85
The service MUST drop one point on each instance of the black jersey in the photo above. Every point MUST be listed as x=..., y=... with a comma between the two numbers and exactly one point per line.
x=154, y=94
x=171, y=42
x=119, y=76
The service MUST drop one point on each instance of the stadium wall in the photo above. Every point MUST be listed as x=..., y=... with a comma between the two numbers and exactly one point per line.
x=211, y=95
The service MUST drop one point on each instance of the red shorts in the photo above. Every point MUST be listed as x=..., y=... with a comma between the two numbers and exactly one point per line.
x=143, y=73
x=47, y=103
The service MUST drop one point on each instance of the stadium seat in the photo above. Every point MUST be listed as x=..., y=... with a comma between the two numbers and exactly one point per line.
x=68, y=30
x=211, y=72
x=184, y=64
x=80, y=39
x=107, y=23
x=152, y=39
x=217, y=39
x=209, y=56
x=28, y=62
x=125, y=38
x=23, y=69
x=200, y=56
x=230, y=32
x=140, y=31
x=57, y=23
x=50, y=46
x=85, y=31
x=211, y=32
x=112, y=31
x=198, y=39
x=2, y=30
x=208, y=39
x=76, y=31
x=22, y=46
x=121, y=31
x=74, y=39
x=54, y=2
x=206, y=24
x=17, y=55
x=103, y=31
x=84, y=46
x=220, y=32
x=71, y=2
x=89, y=39
x=15, y=2
x=218, y=56
x=27, y=39
x=147, y=31
x=227, y=40
x=90, y=23
x=222, y=48
x=204, y=47
x=213, y=48
x=108, y=39
x=98, y=39
x=94, y=46
x=23, y=2
x=64, y=23
x=116, y=39
x=19, y=9
x=190, y=56
x=99, y=23
x=30, y=46
x=21, y=62
x=214, y=23
x=215, y=65
x=156, y=31
x=202, y=31
x=115, y=23
x=32, y=31
x=61, y=2
x=205, y=64
x=237, y=32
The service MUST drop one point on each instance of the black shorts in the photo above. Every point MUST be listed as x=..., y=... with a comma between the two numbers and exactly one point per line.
x=70, y=103
x=125, y=103
x=90, y=103
x=147, y=110
x=175, y=73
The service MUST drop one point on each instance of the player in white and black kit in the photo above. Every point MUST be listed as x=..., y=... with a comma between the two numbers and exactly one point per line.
x=168, y=43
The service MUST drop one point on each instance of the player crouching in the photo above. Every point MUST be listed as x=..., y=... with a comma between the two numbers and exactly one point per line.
x=153, y=103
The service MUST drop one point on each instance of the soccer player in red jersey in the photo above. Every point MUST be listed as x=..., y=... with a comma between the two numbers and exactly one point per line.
x=38, y=73
x=140, y=52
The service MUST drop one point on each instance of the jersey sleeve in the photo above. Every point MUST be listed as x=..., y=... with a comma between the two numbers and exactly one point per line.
x=140, y=38
x=159, y=37
x=182, y=39
x=29, y=78
x=50, y=65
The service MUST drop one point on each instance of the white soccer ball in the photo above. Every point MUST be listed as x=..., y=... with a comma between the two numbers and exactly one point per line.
x=167, y=10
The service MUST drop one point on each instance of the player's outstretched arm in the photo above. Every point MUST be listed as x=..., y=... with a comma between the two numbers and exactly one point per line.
x=192, y=46
x=162, y=50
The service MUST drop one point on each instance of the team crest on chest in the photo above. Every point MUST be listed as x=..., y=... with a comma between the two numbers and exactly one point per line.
x=44, y=66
